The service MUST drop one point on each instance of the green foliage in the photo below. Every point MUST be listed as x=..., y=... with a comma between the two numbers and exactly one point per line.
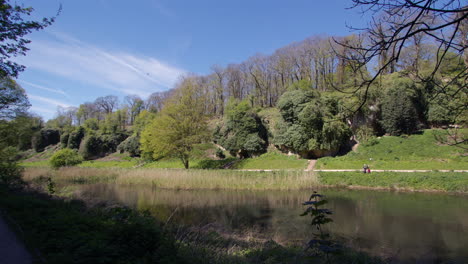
x=64, y=158
x=292, y=102
x=131, y=145
x=309, y=126
x=10, y=171
x=91, y=124
x=75, y=138
x=13, y=99
x=64, y=137
x=14, y=28
x=398, y=113
x=19, y=131
x=220, y=154
x=243, y=133
x=110, y=142
x=91, y=147
x=177, y=128
x=321, y=244
x=45, y=137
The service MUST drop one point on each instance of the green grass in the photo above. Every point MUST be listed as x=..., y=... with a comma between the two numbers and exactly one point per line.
x=400, y=153
x=32, y=164
x=272, y=161
x=109, y=164
x=424, y=181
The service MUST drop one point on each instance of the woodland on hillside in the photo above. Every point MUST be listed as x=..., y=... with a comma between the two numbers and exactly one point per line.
x=314, y=98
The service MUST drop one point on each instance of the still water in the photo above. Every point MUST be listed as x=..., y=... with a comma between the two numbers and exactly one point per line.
x=403, y=227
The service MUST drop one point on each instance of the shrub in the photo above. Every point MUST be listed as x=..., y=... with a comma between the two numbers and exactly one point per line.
x=220, y=154
x=65, y=157
x=74, y=140
x=10, y=171
x=110, y=142
x=44, y=138
x=91, y=147
x=130, y=145
x=64, y=140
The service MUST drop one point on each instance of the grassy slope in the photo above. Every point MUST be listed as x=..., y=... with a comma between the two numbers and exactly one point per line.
x=272, y=161
x=422, y=181
x=412, y=152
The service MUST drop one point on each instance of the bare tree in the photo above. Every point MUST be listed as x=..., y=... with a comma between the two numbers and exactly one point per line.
x=107, y=103
x=135, y=105
x=397, y=22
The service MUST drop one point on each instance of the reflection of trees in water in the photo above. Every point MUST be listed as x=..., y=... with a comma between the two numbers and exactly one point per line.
x=383, y=223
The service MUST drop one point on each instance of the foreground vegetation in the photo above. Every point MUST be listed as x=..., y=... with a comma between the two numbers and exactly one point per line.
x=121, y=235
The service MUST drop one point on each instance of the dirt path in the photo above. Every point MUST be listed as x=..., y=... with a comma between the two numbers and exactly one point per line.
x=400, y=170
x=311, y=165
x=12, y=250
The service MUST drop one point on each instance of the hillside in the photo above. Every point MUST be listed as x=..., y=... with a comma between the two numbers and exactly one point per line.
x=418, y=151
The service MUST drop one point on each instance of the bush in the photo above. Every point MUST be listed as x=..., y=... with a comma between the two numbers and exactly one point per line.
x=220, y=154
x=74, y=140
x=65, y=157
x=91, y=147
x=10, y=171
x=110, y=142
x=130, y=145
x=64, y=140
x=44, y=138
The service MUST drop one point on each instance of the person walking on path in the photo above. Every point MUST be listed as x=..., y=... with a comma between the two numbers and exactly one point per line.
x=365, y=168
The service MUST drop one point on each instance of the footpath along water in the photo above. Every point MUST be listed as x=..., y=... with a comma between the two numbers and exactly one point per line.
x=408, y=227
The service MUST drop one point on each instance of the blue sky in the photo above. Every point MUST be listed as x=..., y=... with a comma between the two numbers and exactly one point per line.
x=102, y=47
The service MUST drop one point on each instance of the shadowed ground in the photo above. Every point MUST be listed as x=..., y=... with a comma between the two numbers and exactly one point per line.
x=12, y=250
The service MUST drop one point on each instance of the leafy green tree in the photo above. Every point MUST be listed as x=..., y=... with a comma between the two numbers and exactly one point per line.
x=243, y=133
x=178, y=127
x=13, y=99
x=311, y=125
x=13, y=30
x=64, y=158
x=45, y=137
x=10, y=171
x=19, y=132
x=131, y=145
x=75, y=138
x=403, y=105
x=91, y=147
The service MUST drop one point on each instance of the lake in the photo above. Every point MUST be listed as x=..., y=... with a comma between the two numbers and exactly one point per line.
x=401, y=227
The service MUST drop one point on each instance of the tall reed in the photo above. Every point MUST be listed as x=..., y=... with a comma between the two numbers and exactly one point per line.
x=183, y=179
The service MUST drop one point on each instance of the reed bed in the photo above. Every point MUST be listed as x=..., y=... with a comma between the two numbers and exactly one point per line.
x=183, y=179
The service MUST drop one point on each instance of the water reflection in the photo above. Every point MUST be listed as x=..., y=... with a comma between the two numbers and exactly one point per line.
x=408, y=227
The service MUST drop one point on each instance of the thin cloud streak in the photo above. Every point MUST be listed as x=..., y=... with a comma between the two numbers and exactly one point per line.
x=118, y=71
x=48, y=101
x=44, y=88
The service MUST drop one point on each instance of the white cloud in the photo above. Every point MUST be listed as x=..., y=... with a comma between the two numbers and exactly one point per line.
x=50, y=102
x=42, y=110
x=127, y=73
x=57, y=91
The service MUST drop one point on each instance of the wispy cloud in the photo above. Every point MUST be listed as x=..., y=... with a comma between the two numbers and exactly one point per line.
x=57, y=91
x=120, y=71
x=49, y=102
x=42, y=110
